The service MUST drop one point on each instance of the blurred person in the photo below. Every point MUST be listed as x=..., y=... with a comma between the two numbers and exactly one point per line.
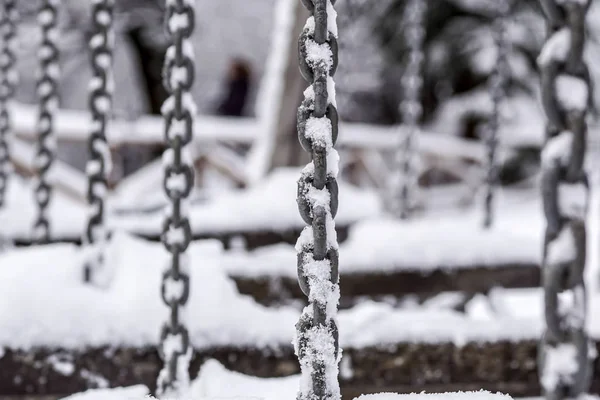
x=237, y=88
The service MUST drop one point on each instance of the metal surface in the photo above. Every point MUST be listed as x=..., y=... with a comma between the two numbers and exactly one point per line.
x=47, y=90
x=100, y=105
x=179, y=111
x=316, y=344
x=564, y=355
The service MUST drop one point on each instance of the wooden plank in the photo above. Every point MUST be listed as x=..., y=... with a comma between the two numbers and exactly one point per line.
x=272, y=290
x=509, y=367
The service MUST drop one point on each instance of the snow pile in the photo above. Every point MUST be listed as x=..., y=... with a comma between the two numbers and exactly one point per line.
x=128, y=393
x=46, y=302
x=67, y=216
x=424, y=243
x=270, y=205
x=480, y=395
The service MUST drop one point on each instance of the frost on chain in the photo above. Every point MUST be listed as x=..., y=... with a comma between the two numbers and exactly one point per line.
x=562, y=249
x=309, y=93
x=572, y=307
x=560, y=365
x=556, y=48
x=572, y=93
x=558, y=149
x=318, y=130
x=319, y=349
x=573, y=200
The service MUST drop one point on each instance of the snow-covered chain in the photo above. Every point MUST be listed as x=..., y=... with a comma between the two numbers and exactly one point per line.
x=178, y=111
x=565, y=359
x=316, y=341
x=8, y=78
x=47, y=91
x=99, y=164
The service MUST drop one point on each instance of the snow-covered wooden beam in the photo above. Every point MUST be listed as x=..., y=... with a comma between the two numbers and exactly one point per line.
x=74, y=125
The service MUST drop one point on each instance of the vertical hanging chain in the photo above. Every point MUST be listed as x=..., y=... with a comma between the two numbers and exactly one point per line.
x=566, y=93
x=100, y=105
x=47, y=90
x=179, y=112
x=497, y=89
x=410, y=108
x=8, y=81
x=316, y=343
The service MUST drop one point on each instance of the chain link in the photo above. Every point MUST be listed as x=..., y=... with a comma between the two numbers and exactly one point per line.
x=316, y=344
x=565, y=356
x=179, y=111
x=47, y=90
x=100, y=105
x=497, y=89
x=8, y=81
x=406, y=182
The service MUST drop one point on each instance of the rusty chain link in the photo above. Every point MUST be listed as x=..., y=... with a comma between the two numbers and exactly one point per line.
x=406, y=181
x=497, y=89
x=100, y=105
x=565, y=357
x=47, y=90
x=179, y=111
x=316, y=343
x=8, y=81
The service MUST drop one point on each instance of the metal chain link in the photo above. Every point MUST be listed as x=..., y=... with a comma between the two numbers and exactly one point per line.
x=565, y=357
x=47, y=88
x=410, y=108
x=497, y=89
x=179, y=111
x=317, y=344
x=8, y=81
x=100, y=105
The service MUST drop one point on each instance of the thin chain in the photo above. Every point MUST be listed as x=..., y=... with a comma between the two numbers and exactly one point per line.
x=47, y=88
x=410, y=107
x=100, y=104
x=565, y=359
x=8, y=80
x=498, y=93
x=317, y=344
x=179, y=111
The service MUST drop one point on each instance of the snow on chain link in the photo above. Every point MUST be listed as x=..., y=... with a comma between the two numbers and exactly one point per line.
x=179, y=112
x=100, y=104
x=316, y=342
x=565, y=349
x=47, y=91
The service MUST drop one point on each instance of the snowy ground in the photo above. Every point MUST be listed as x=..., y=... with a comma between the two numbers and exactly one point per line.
x=129, y=311
x=270, y=205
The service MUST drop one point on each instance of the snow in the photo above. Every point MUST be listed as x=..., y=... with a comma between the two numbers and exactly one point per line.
x=556, y=48
x=480, y=395
x=558, y=149
x=425, y=243
x=561, y=362
x=129, y=393
x=129, y=312
x=572, y=93
x=270, y=205
x=562, y=249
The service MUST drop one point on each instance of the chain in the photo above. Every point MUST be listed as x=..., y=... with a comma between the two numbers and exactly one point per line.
x=47, y=87
x=316, y=343
x=565, y=357
x=8, y=80
x=497, y=93
x=100, y=104
x=179, y=111
x=410, y=107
